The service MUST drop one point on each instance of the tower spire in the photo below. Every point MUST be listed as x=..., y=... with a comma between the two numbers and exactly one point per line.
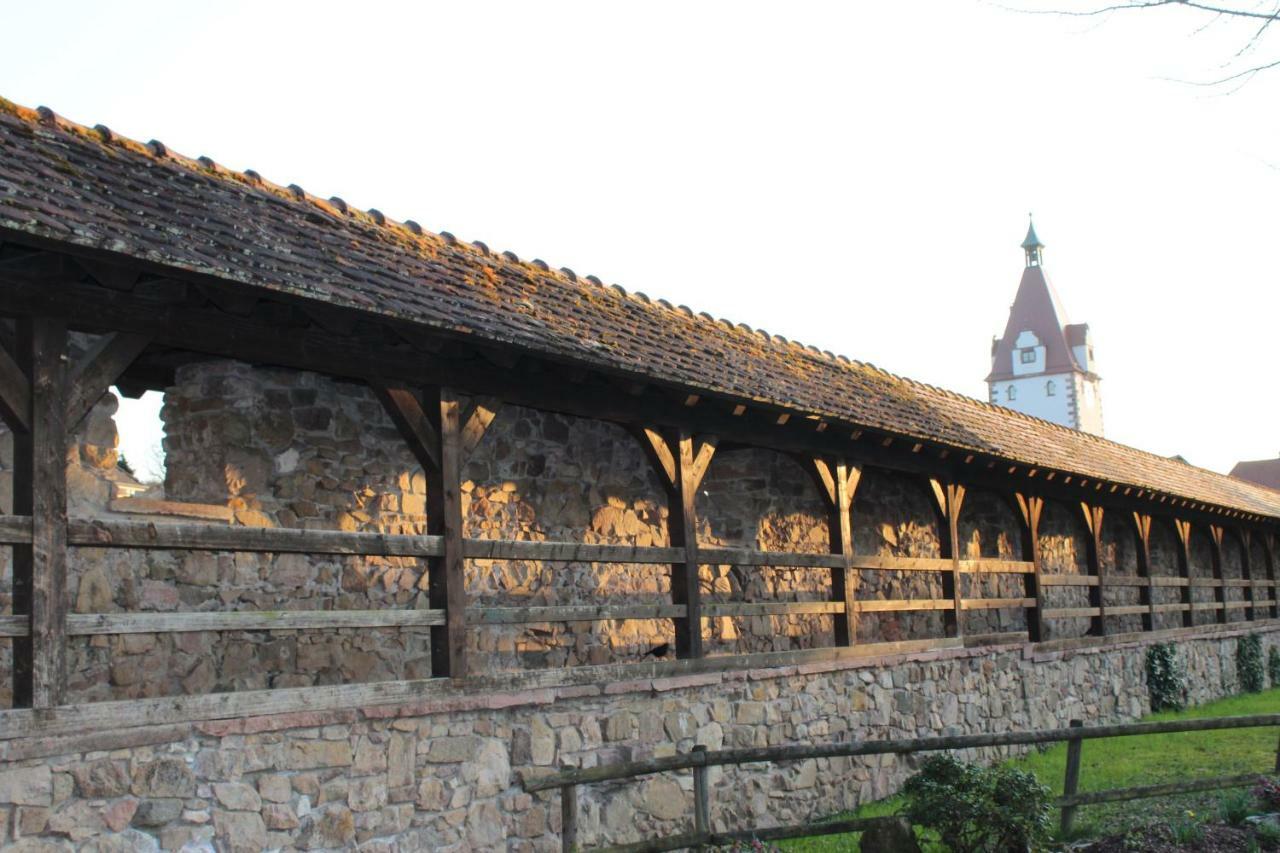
x=1032, y=245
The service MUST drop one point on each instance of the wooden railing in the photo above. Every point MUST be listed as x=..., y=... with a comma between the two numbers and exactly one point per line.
x=700, y=759
x=89, y=533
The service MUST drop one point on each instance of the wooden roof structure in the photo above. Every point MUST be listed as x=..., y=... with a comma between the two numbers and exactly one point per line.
x=122, y=205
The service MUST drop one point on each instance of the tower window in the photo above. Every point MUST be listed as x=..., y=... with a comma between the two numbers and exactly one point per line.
x=1028, y=356
x=1050, y=389
x=1011, y=393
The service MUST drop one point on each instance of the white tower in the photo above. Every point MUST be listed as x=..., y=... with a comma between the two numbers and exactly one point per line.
x=1043, y=365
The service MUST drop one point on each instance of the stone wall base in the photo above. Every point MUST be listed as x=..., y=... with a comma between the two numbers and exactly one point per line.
x=445, y=775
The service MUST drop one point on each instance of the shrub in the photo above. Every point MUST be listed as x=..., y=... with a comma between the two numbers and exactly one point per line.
x=1166, y=680
x=1273, y=666
x=1267, y=791
x=1249, y=663
x=977, y=810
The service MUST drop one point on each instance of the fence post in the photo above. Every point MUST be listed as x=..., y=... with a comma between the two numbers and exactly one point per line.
x=1278, y=757
x=701, y=804
x=1072, y=780
x=569, y=818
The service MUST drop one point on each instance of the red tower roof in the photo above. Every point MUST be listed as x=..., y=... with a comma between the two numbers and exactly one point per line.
x=1037, y=309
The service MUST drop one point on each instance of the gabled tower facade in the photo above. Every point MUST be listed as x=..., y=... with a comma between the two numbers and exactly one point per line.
x=1043, y=365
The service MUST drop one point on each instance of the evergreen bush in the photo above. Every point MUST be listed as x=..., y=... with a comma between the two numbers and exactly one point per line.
x=1273, y=666
x=1166, y=680
x=1249, y=663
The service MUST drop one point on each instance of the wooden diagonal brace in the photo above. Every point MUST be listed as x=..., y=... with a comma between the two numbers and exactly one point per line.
x=98, y=370
x=406, y=412
x=701, y=461
x=658, y=453
x=15, y=394
x=479, y=416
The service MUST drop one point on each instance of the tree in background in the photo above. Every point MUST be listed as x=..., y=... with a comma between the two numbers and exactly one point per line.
x=1252, y=19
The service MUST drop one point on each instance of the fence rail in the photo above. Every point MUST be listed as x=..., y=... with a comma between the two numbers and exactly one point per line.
x=567, y=781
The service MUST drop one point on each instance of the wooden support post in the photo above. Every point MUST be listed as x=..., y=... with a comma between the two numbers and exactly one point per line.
x=1072, y=780
x=837, y=484
x=1220, y=590
x=40, y=490
x=1097, y=592
x=1183, y=530
x=432, y=428
x=1030, y=508
x=701, y=799
x=950, y=497
x=680, y=464
x=452, y=660
x=1142, y=546
x=569, y=818
x=1278, y=756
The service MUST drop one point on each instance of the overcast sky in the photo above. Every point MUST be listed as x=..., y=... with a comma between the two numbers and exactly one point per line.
x=855, y=176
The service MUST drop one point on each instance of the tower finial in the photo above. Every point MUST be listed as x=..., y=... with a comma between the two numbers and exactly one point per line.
x=1032, y=245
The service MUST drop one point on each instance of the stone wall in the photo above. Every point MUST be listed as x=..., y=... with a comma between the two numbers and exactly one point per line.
x=443, y=774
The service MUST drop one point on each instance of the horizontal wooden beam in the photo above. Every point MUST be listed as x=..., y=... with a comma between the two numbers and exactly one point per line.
x=903, y=564
x=1127, y=609
x=1186, y=786
x=575, y=552
x=584, y=613
x=1013, y=567
x=89, y=624
x=15, y=626
x=1071, y=612
x=996, y=603
x=770, y=608
x=15, y=529
x=750, y=557
x=216, y=537
x=1068, y=580
x=894, y=605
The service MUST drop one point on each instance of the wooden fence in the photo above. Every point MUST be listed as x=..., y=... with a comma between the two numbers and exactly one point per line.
x=700, y=759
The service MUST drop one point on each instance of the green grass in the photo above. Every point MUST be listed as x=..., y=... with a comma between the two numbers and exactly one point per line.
x=1130, y=761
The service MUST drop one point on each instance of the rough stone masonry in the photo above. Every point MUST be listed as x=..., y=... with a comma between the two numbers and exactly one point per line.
x=276, y=448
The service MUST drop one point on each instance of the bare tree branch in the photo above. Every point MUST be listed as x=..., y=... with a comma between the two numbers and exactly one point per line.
x=1264, y=14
